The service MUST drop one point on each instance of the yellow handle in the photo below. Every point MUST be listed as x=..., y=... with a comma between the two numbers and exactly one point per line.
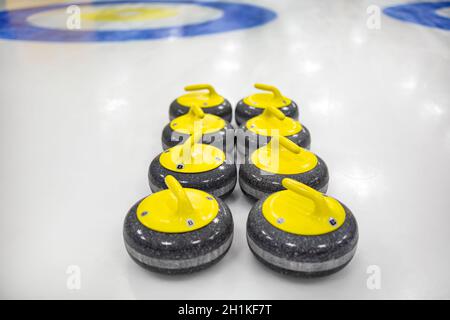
x=195, y=137
x=203, y=86
x=321, y=207
x=197, y=111
x=186, y=149
x=288, y=144
x=275, y=112
x=183, y=202
x=265, y=87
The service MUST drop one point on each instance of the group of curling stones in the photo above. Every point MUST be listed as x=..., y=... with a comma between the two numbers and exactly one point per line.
x=185, y=226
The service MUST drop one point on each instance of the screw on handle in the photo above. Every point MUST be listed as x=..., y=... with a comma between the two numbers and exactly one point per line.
x=265, y=87
x=197, y=111
x=320, y=205
x=183, y=202
x=203, y=86
x=270, y=111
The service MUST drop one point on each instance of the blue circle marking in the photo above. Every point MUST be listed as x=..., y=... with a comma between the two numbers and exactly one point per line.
x=423, y=13
x=235, y=16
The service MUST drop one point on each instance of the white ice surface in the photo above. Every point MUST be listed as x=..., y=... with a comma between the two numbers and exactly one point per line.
x=80, y=123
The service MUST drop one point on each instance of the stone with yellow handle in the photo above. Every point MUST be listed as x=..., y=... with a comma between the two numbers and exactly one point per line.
x=254, y=105
x=302, y=232
x=258, y=131
x=213, y=129
x=263, y=172
x=178, y=230
x=206, y=97
x=195, y=165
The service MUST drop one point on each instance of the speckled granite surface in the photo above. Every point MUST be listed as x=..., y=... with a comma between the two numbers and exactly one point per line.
x=223, y=110
x=174, y=253
x=219, y=182
x=246, y=139
x=223, y=139
x=244, y=112
x=258, y=183
x=301, y=255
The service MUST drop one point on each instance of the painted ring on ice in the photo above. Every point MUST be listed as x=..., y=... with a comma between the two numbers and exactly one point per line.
x=423, y=13
x=235, y=16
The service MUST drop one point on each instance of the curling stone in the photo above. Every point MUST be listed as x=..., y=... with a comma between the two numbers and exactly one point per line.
x=215, y=130
x=194, y=165
x=210, y=101
x=281, y=158
x=258, y=131
x=255, y=104
x=178, y=230
x=300, y=231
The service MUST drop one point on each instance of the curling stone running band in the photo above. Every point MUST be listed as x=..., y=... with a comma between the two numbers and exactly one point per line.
x=255, y=104
x=178, y=230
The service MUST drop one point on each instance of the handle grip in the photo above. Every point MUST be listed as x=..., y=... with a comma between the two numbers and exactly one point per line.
x=266, y=87
x=320, y=205
x=202, y=86
x=272, y=111
x=197, y=111
x=183, y=202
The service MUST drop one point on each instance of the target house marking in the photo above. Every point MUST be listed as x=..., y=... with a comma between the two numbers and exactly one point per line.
x=17, y=24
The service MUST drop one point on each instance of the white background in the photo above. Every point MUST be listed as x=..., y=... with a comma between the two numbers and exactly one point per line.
x=80, y=123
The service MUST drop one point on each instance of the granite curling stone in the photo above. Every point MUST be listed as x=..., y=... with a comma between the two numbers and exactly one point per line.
x=266, y=168
x=215, y=130
x=255, y=104
x=210, y=102
x=258, y=131
x=178, y=230
x=194, y=165
x=301, y=232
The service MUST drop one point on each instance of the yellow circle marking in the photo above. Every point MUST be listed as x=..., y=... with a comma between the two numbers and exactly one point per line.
x=197, y=121
x=192, y=159
x=282, y=156
x=203, y=99
x=128, y=14
x=262, y=100
x=273, y=122
x=302, y=210
x=177, y=209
